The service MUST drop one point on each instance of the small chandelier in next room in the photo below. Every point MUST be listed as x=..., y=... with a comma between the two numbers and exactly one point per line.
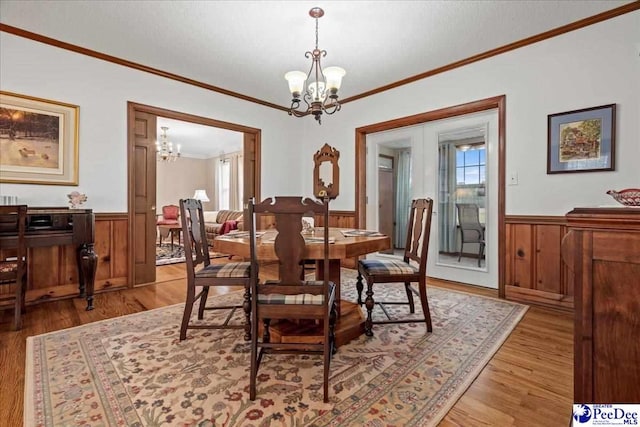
x=164, y=148
x=318, y=88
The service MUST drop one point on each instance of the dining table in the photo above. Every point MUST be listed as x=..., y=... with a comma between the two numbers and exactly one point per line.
x=344, y=243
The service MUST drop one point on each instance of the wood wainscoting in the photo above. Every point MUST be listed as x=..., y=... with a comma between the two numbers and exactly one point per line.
x=53, y=272
x=534, y=270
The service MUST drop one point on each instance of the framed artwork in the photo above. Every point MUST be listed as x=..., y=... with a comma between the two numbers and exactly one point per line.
x=38, y=140
x=582, y=140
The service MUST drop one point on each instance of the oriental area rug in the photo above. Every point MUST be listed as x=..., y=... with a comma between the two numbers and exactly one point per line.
x=173, y=254
x=134, y=370
x=167, y=253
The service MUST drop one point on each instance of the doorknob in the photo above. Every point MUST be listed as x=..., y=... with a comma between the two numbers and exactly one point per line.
x=153, y=208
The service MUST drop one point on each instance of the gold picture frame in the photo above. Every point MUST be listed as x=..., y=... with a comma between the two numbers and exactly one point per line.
x=38, y=140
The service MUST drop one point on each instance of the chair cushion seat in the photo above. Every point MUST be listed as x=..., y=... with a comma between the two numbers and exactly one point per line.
x=168, y=222
x=373, y=267
x=297, y=299
x=231, y=269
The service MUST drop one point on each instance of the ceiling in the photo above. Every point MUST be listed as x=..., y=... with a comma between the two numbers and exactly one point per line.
x=247, y=46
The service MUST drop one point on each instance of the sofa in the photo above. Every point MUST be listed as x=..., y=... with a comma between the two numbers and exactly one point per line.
x=214, y=223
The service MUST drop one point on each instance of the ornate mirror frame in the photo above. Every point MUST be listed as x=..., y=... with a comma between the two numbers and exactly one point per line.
x=320, y=188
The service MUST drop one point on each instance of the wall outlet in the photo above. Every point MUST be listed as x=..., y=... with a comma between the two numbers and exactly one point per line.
x=513, y=178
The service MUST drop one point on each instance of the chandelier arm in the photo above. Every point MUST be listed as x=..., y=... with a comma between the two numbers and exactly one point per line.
x=307, y=99
x=298, y=113
x=295, y=104
x=330, y=109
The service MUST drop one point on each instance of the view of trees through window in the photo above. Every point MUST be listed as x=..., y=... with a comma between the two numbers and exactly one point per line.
x=471, y=166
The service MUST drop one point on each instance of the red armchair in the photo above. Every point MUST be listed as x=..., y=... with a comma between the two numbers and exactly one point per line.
x=170, y=214
x=168, y=223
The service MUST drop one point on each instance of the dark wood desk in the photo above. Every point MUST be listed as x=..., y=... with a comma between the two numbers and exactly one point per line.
x=61, y=227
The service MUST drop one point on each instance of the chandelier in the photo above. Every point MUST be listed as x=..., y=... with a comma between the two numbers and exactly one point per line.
x=318, y=88
x=164, y=148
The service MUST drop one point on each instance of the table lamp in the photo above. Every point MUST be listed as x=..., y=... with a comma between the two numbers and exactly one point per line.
x=201, y=195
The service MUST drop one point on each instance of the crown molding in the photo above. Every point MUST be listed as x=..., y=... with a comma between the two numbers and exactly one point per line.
x=627, y=8
x=630, y=7
x=126, y=63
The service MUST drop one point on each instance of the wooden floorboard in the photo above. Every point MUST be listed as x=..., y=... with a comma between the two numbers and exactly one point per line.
x=529, y=382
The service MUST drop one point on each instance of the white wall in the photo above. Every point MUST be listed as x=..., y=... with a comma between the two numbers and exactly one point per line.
x=102, y=90
x=180, y=179
x=593, y=66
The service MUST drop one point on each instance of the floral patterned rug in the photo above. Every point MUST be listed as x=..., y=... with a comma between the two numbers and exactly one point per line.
x=134, y=371
x=168, y=254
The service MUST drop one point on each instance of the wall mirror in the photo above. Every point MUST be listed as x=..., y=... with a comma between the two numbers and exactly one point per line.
x=462, y=198
x=326, y=172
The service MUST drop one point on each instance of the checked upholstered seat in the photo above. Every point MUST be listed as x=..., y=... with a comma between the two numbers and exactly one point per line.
x=232, y=269
x=200, y=272
x=388, y=271
x=298, y=299
x=375, y=267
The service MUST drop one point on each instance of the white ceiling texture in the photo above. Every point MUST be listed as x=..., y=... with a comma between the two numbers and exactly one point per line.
x=247, y=46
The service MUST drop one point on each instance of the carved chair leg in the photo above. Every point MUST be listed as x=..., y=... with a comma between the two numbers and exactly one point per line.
x=425, y=305
x=325, y=374
x=203, y=302
x=407, y=288
x=359, y=287
x=369, y=303
x=246, y=305
x=253, y=373
x=19, y=303
x=24, y=293
x=266, y=335
x=333, y=315
x=188, y=307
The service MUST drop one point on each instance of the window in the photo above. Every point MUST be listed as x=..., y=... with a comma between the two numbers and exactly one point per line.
x=470, y=166
x=224, y=184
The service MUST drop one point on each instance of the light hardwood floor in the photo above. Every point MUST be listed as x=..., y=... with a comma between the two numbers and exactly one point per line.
x=529, y=382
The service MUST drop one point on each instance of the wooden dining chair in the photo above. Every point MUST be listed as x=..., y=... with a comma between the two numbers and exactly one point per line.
x=200, y=272
x=291, y=298
x=401, y=271
x=471, y=230
x=13, y=265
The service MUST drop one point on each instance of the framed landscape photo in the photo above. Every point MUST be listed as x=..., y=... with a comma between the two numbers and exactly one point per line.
x=582, y=140
x=38, y=140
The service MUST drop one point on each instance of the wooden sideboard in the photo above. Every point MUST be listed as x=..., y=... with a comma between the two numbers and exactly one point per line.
x=602, y=251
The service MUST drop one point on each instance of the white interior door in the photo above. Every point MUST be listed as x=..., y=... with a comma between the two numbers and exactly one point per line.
x=486, y=276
